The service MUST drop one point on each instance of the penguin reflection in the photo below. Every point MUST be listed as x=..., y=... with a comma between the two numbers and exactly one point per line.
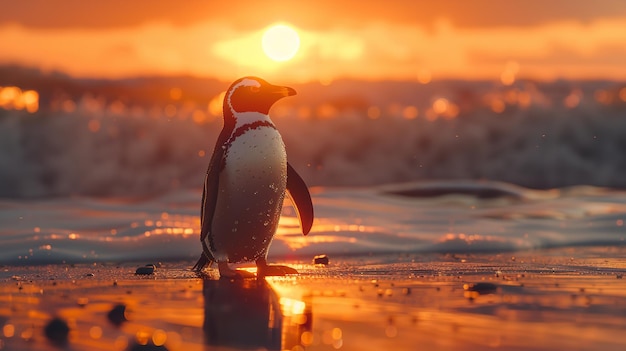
x=247, y=313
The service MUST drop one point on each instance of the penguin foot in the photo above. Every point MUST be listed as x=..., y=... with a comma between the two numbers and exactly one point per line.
x=227, y=272
x=266, y=270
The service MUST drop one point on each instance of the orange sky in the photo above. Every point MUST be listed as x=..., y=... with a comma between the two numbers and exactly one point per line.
x=398, y=39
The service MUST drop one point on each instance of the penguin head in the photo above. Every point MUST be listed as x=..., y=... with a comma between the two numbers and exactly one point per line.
x=253, y=94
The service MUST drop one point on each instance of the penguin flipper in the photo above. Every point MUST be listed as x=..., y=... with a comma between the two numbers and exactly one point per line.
x=209, y=201
x=301, y=198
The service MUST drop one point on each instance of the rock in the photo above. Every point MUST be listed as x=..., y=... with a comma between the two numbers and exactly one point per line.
x=147, y=347
x=481, y=288
x=146, y=270
x=57, y=331
x=321, y=259
x=117, y=315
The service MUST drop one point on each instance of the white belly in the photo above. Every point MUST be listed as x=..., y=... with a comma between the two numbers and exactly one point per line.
x=250, y=196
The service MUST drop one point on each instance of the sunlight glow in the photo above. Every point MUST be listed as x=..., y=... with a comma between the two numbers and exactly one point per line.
x=410, y=112
x=13, y=98
x=573, y=99
x=215, y=105
x=280, y=42
x=387, y=50
x=292, y=307
x=622, y=94
x=424, y=76
x=510, y=71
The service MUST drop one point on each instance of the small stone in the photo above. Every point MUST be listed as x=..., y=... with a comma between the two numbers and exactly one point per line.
x=146, y=270
x=82, y=301
x=321, y=259
x=57, y=331
x=117, y=315
x=89, y=275
x=150, y=346
x=481, y=288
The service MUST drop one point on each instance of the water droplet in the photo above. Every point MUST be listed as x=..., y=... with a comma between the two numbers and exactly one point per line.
x=266, y=223
x=271, y=201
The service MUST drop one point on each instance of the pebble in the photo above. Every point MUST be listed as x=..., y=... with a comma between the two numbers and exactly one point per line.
x=321, y=259
x=117, y=315
x=57, y=331
x=146, y=270
x=82, y=301
x=481, y=288
x=147, y=347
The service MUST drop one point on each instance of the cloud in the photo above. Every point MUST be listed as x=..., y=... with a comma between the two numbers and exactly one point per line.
x=371, y=51
x=321, y=14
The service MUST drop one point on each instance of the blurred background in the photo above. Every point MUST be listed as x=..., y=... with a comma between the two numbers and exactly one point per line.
x=123, y=98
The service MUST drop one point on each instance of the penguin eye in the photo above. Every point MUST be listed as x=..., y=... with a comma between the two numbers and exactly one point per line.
x=255, y=89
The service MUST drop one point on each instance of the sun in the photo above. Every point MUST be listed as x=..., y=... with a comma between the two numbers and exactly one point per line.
x=280, y=42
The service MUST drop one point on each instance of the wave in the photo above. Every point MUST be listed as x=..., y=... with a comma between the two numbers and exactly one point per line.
x=349, y=221
x=359, y=138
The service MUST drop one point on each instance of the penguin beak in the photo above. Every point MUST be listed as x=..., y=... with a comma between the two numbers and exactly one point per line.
x=282, y=91
x=290, y=91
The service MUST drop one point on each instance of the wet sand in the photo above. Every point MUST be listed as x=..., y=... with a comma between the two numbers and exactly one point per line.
x=571, y=299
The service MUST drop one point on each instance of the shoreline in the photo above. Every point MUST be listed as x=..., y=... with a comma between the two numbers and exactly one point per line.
x=541, y=300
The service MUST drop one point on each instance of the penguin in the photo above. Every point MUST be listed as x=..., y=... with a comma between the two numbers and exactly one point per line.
x=246, y=182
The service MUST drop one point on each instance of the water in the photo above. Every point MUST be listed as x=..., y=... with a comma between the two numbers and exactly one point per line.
x=423, y=217
x=89, y=178
x=350, y=133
